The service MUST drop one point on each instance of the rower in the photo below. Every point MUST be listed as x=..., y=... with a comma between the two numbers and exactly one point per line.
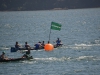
x=17, y=45
x=27, y=54
x=3, y=57
x=37, y=46
x=58, y=42
x=43, y=44
x=27, y=46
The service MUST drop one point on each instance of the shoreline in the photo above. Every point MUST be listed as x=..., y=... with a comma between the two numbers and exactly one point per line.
x=48, y=9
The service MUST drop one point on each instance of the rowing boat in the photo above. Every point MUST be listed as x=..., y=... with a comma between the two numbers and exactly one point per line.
x=13, y=49
x=15, y=59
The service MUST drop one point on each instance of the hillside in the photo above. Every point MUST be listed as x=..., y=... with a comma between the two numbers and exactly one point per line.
x=25, y=5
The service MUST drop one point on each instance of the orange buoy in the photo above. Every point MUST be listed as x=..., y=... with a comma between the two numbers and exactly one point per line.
x=48, y=47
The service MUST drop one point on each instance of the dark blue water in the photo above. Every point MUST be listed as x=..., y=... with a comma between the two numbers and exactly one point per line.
x=80, y=34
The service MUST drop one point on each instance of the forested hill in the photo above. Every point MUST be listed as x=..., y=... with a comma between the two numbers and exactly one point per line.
x=18, y=5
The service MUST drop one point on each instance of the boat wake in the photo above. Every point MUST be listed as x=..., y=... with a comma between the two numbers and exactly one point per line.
x=4, y=48
x=80, y=58
x=80, y=46
x=50, y=59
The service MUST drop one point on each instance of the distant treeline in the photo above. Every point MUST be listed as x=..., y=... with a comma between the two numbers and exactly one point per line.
x=21, y=5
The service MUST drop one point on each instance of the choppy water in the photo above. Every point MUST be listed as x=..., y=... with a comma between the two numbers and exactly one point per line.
x=80, y=34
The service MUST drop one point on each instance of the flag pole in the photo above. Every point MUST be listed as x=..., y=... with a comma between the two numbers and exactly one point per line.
x=49, y=34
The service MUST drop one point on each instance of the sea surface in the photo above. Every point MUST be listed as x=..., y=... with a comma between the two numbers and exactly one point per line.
x=80, y=35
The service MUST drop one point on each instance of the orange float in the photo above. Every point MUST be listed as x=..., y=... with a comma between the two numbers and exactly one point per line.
x=48, y=47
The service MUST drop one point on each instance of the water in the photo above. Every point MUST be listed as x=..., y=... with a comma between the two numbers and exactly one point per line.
x=80, y=34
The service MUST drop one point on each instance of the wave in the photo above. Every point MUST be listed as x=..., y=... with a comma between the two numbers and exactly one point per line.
x=80, y=46
x=87, y=45
x=85, y=58
x=67, y=58
x=4, y=48
x=97, y=41
x=52, y=59
x=62, y=59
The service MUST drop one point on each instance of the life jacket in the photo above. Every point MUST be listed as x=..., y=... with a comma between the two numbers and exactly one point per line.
x=26, y=46
x=58, y=41
x=16, y=46
x=36, y=46
x=2, y=57
x=28, y=52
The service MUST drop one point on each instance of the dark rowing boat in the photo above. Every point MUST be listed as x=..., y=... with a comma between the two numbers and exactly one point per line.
x=15, y=59
x=13, y=49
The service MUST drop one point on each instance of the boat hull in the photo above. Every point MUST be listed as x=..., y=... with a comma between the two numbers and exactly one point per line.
x=15, y=59
x=13, y=49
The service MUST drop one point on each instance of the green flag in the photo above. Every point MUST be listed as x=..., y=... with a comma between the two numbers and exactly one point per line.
x=55, y=26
